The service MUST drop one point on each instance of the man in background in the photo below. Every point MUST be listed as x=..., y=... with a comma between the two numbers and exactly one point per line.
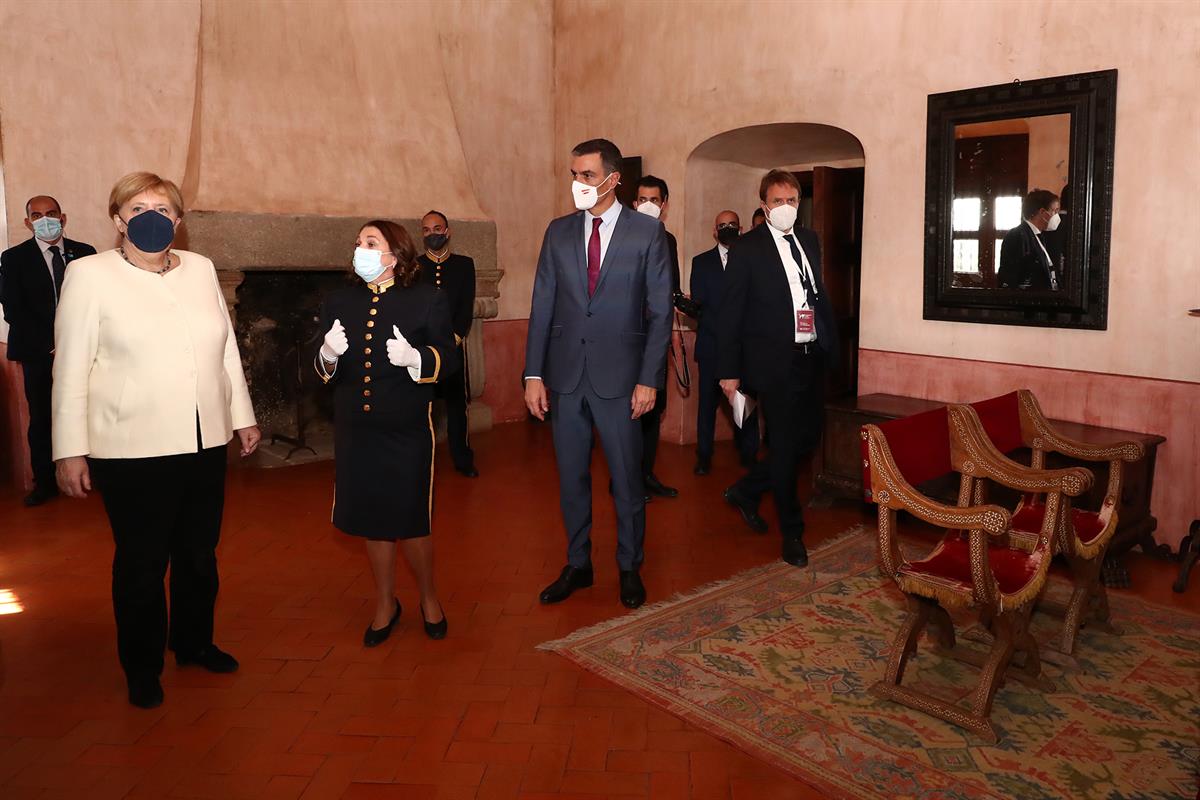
x=653, y=199
x=758, y=218
x=31, y=277
x=1025, y=263
x=454, y=274
x=708, y=273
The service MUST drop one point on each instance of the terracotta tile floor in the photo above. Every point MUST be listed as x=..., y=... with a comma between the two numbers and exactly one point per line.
x=312, y=714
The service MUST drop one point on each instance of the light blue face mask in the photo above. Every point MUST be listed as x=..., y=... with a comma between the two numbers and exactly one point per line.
x=368, y=264
x=48, y=229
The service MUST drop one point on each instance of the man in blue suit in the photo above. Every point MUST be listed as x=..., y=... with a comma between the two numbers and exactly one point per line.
x=599, y=327
x=708, y=274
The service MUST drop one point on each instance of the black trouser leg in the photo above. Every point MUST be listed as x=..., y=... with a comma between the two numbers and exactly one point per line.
x=193, y=546
x=37, y=373
x=454, y=391
x=651, y=428
x=706, y=410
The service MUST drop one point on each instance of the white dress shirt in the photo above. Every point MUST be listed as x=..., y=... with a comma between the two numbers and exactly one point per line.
x=1037, y=237
x=800, y=299
x=607, y=225
x=723, y=252
x=49, y=258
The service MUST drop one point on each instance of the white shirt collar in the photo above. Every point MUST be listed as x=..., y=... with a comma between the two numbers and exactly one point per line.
x=722, y=251
x=607, y=218
x=1033, y=228
x=778, y=234
x=61, y=244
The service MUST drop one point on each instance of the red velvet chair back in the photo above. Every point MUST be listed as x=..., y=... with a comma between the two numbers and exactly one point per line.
x=920, y=446
x=1001, y=418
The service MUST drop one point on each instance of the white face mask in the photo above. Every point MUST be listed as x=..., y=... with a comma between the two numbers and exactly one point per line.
x=586, y=196
x=783, y=217
x=368, y=264
x=649, y=209
x=1052, y=223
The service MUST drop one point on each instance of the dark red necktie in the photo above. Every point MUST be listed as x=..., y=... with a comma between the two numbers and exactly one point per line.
x=594, y=256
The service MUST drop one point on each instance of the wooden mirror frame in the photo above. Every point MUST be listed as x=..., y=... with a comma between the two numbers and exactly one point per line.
x=1082, y=301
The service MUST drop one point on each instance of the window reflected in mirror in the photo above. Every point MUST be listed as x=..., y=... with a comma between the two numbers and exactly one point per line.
x=997, y=164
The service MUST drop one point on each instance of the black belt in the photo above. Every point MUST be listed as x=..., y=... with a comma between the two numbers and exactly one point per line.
x=808, y=348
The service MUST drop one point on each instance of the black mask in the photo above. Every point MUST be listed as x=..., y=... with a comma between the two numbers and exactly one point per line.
x=150, y=231
x=436, y=241
x=727, y=236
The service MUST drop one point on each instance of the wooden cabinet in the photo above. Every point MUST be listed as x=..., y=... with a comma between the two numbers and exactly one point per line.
x=838, y=472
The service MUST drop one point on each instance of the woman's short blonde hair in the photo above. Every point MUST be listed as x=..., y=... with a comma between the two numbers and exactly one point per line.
x=135, y=183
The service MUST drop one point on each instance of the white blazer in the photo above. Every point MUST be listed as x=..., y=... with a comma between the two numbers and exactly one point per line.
x=138, y=356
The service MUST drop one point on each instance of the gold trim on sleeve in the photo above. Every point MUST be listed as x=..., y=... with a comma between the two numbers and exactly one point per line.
x=437, y=366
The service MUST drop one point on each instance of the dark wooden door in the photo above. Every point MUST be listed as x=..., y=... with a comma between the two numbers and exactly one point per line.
x=837, y=218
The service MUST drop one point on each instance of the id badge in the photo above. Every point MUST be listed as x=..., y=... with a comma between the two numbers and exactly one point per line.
x=805, y=322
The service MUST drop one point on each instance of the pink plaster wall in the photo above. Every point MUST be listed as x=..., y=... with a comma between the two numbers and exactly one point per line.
x=1124, y=402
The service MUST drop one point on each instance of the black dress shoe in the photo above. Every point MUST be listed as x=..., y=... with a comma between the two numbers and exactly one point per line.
x=633, y=593
x=569, y=580
x=39, y=496
x=145, y=692
x=212, y=658
x=703, y=466
x=468, y=471
x=656, y=487
x=794, y=552
x=374, y=638
x=435, y=630
x=749, y=512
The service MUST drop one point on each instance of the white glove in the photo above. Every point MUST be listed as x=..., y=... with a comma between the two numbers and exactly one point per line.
x=401, y=353
x=335, y=342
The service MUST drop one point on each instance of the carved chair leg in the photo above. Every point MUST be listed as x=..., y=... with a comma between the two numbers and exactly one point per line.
x=1086, y=578
x=1189, y=551
x=1025, y=643
x=942, y=628
x=994, y=666
x=905, y=643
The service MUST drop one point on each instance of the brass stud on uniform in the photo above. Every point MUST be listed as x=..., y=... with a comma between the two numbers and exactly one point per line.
x=370, y=323
x=369, y=337
x=375, y=299
x=366, y=392
x=366, y=379
x=366, y=406
x=374, y=311
x=368, y=365
x=367, y=351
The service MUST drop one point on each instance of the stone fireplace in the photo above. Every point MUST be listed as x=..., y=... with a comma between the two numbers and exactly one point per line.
x=274, y=269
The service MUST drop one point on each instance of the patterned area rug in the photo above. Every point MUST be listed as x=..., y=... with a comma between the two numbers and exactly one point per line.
x=778, y=662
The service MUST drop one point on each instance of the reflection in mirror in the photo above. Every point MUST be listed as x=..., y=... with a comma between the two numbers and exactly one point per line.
x=999, y=239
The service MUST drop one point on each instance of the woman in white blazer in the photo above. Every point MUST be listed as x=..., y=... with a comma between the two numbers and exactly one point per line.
x=148, y=391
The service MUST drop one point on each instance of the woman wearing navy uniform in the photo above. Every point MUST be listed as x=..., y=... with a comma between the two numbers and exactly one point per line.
x=388, y=340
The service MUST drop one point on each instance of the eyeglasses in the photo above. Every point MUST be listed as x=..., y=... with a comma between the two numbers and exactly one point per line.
x=728, y=226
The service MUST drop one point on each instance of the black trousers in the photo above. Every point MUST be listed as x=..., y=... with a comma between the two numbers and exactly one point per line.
x=651, y=428
x=163, y=510
x=453, y=390
x=37, y=373
x=795, y=415
x=745, y=438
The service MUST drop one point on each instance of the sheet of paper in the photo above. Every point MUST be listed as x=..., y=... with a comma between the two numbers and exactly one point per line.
x=743, y=407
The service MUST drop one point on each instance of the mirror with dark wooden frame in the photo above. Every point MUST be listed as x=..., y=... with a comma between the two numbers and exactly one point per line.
x=1018, y=202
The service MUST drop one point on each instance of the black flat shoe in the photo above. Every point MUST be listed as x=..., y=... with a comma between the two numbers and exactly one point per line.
x=749, y=513
x=794, y=552
x=569, y=580
x=435, y=630
x=211, y=658
x=145, y=692
x=374, y=638
x=633, y=593
x=656, y=487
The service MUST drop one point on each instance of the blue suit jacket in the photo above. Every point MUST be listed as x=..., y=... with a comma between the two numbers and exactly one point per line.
x=619, y=336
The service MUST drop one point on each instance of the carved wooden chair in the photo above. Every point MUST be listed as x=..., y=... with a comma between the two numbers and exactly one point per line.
x=974, y=566
x=1015, y=420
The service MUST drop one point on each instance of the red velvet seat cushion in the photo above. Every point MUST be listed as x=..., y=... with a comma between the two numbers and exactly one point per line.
x=1088, y=524
x=951, y=561
x=1001, y=420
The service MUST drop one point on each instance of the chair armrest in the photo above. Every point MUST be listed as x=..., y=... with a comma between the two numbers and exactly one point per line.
x=975, y=455
x=891, y=490
x=1046, y=438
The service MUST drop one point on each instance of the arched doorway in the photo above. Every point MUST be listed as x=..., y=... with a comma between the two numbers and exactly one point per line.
x=723, y=172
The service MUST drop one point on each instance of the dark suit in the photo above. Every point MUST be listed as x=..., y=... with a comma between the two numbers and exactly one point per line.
x=652, y=419
x=1023, y=263
x=756, y=344
x=455, y=277
x=708, y=277
x=30, y=299
x=590, y=352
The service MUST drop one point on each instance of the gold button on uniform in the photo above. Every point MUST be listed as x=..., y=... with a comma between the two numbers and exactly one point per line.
x=367, y=351
x=371, y=323
x=374, y=311
x=375, y=299
x=369, y=337
x=366, y=379
x=366, y=406
x=368, y=365
x=366, y=392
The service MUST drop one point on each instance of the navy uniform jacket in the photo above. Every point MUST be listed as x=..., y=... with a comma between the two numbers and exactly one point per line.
x=621, y=333
x=456, y=278
x=27, y=294
x=707, y=277
x=368, y=388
